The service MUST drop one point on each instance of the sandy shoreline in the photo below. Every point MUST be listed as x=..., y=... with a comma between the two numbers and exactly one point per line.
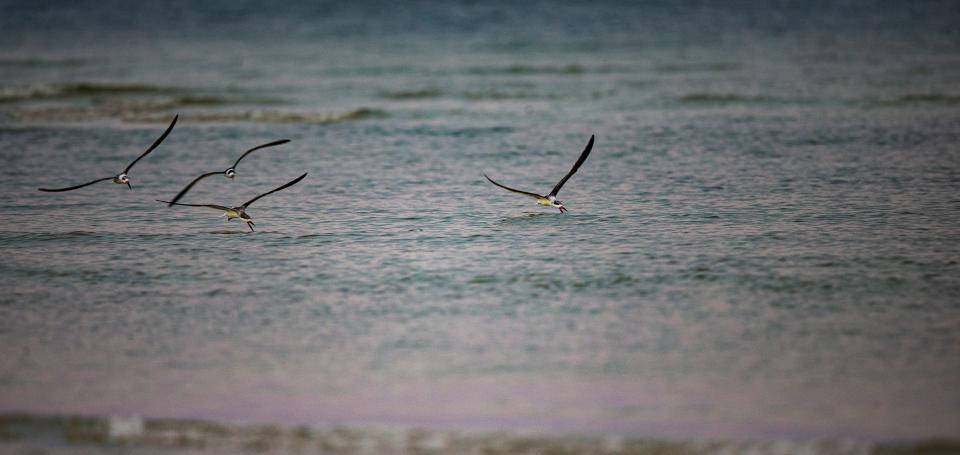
x=49, y=434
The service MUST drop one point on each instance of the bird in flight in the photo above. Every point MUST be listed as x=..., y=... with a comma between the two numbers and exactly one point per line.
x=122, y=177
x=550, y=200
x=241, y=210
x=231, y=171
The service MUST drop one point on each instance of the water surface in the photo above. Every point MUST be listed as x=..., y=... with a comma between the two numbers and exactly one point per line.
x=762, y=244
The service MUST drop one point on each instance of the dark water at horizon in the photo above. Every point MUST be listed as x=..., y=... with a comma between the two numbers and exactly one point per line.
x=762, y=244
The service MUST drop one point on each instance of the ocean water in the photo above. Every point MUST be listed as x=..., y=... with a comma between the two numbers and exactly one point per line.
x=763, y=243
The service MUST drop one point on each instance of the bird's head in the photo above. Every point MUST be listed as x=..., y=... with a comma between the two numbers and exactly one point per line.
x=230, y=173
x=123, y=179
x=246, y=219
x=554, y=202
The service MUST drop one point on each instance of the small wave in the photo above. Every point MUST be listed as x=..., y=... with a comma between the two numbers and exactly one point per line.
x=924, y=98
x=479, y=131
x=120, y=93
x=200, y=101
x=80, y=89
x=120, y=106
x=722, y=98
x=17, y=237
x=185, y=101
x=79, y=236
x=499, y=94
x=521, y=69
x=85, y=88
x=129, y=96
x=10, y=94
x=483, y=279
x=412, y=94
x=317, y=118
x=158, y=112
x=698, y=67
x=33, y=62
x=521, y=93
x=594, y=281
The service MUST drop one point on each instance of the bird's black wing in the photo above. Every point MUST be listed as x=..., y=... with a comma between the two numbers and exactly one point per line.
x=155, y=143
x=212, y=206
x=286, y=185
x=190, y=185
x=55, y=190
x=583, y=157
x=269, y=144
x=525, y=193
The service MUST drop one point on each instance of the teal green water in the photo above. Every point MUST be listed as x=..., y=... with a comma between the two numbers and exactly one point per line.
x=762, y=244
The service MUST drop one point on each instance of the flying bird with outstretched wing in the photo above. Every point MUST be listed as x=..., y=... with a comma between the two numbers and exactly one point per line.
x=550, y=200
x=230, y=172
x=240, y=211
x=122, y=177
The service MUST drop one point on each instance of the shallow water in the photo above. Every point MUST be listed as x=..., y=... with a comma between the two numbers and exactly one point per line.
x=762, y=244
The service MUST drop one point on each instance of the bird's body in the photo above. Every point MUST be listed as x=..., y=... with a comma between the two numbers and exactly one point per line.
x=550, y=200
x=239, y=211
x=121, y=178
x=546, y=202
x=235, y=212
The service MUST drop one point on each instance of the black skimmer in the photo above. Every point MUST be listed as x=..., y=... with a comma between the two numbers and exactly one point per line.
x=231, y=172
x=241, y=210
x=122, y=177
x=550, y=200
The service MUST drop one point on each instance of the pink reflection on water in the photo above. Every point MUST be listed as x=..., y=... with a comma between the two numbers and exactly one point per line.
x=687, y=408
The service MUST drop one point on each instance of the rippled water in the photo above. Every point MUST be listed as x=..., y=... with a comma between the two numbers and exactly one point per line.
x=762, y=244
